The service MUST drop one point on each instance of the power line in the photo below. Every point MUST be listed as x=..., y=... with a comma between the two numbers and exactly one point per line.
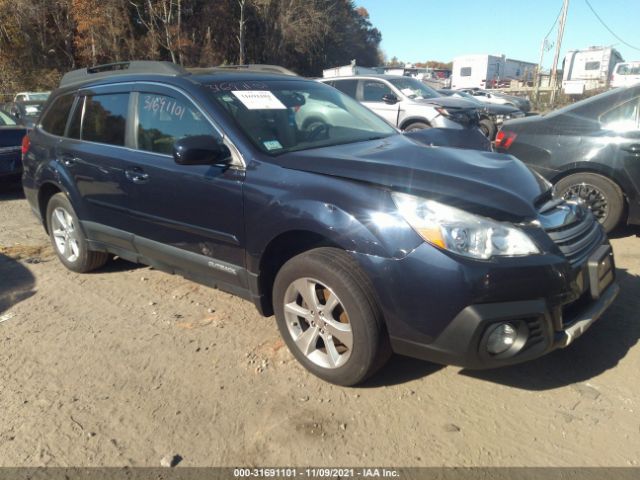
x=607, y=27
x=554, y=23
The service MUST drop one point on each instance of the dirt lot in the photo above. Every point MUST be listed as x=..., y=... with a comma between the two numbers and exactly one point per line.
x=127, y=365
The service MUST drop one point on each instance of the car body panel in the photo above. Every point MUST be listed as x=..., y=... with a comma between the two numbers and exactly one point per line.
x=573, y=139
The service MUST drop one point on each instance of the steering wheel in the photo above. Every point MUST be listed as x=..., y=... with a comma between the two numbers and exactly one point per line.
x=317, y=130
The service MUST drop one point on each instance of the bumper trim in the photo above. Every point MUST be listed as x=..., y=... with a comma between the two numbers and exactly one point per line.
x=587, y=317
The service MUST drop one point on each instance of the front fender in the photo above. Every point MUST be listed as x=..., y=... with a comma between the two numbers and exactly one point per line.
x=355, y=216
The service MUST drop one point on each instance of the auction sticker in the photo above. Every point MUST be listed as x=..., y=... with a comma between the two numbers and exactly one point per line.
x=259, y=100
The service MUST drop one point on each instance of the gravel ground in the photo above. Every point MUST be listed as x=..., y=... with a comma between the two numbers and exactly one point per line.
x=128, y=365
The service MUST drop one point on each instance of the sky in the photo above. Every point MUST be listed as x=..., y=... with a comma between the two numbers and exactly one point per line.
x=420, y=30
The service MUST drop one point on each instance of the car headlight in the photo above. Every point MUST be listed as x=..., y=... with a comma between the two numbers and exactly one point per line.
x=461, y=232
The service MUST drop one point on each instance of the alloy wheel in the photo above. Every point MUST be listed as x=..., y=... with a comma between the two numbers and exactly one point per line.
x=318, y=323
x=65, y=234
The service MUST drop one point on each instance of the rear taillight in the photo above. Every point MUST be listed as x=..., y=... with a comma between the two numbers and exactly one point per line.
x=504, y=139
x=26, y=143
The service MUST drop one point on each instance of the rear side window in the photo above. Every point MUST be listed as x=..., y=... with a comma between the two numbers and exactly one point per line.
x=105, y=118
x=624, y=117
x=162, y=120
x=347, y=87
x=55, y=120
x=465, y=72
x=373, y=91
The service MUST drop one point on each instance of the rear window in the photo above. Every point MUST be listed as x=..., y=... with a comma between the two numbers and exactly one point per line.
x=55, y=120
x=623, y=117
x=592, y=66
x=465, y=72
x=105, y=118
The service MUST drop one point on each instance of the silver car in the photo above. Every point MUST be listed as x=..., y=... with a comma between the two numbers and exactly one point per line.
x=406, y=102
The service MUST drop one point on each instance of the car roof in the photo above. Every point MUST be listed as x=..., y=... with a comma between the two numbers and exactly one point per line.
x=380, y=76
x=164, y=71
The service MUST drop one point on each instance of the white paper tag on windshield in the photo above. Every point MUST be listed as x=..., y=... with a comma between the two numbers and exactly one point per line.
x=259, y=99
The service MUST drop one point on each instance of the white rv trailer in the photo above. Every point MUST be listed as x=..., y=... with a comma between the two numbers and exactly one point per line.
x=588, y=69
x=485, y=71
x=348, y=71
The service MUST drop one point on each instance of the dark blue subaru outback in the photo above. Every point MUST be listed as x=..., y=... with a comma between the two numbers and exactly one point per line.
x=360, y=239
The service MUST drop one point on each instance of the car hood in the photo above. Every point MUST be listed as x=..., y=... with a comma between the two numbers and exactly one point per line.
x=498, y=109
x=447, y=102
x=487, y=183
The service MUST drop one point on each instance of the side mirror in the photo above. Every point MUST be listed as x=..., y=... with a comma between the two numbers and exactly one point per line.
x=390, y=99
x=201, y=150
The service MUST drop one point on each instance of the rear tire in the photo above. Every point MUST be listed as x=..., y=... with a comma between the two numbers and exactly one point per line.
x=602, y=196
x=328, y=316
x=68, y=239
x=412, y=127
x=488, y=128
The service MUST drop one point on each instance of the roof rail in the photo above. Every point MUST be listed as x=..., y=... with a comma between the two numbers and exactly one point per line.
x=121, y=68
x=255, y=67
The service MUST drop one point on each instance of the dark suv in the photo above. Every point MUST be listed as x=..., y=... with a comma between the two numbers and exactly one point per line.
x=290, y=194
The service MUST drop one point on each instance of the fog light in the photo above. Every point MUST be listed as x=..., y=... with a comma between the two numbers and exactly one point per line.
x=501, y=338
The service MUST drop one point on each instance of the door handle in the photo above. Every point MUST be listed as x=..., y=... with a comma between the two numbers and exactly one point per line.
x=136, y=175
x=68, y=160
x=633, y=148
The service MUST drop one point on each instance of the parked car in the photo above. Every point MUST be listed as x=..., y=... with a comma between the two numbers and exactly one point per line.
x=359, y=238
x=492, y=115
x=26, y=112
x=11, y=135
x=625, y=74
x=31, y=96
x=406, y=102
x=590, y=150
x=499, y=98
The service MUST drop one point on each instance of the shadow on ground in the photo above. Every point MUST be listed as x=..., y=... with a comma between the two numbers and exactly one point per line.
x=10, y=190
x=400, y=370
x=625, y=231
x=16, y=282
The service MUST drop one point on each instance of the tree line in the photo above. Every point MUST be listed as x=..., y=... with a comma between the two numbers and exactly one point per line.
x=42, y=39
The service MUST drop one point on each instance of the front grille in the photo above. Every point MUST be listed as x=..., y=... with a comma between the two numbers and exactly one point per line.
x=578, y=236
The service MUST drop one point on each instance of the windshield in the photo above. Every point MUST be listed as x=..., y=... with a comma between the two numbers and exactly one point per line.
x=414, y=88
x=289, y=115
x=6, y=120
x=32, y=109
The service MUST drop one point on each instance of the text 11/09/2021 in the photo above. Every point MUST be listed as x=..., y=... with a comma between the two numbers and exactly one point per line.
x=315, y=473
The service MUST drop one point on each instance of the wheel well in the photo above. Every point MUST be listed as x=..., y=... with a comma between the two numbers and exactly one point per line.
x=408, y=122
x=47, y=191
x=280, y=250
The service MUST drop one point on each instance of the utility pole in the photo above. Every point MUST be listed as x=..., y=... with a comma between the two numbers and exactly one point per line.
x=554, y=68
x=537, y=77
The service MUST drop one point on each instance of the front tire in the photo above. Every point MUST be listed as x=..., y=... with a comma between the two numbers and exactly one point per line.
x=602, y=196
x=412, y=127
x=68, y=239
x=328, y=316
